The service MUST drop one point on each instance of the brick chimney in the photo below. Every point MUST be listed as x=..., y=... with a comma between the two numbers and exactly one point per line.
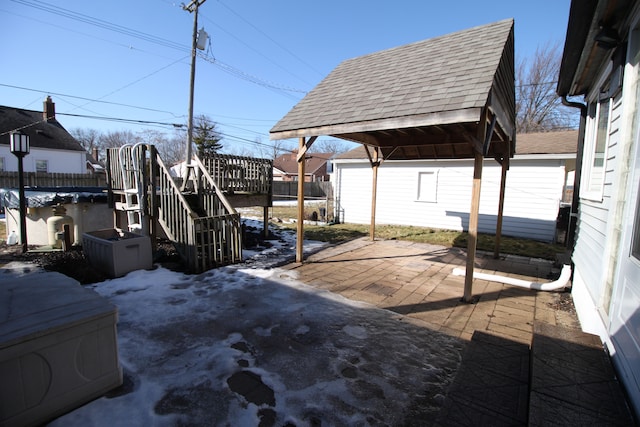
x=48, y=110
x=94, y=153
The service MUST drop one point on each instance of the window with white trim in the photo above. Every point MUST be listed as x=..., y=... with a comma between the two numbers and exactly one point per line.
x=428, y=186
x=42, y=166
x=595, y=150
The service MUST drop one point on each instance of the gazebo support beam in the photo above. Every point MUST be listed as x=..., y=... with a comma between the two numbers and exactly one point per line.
x=303, y=146
x=375, y=163
x=503, y=183
x=472, y=241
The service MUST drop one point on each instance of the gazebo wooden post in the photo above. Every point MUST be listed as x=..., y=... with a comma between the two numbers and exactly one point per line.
x=474, y=213
x=300, y=228
x=375, y=163
x=503, y=183
x=303, y=146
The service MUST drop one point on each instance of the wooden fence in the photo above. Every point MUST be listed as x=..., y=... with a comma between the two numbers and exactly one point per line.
x=288, y=190
x=41, y=179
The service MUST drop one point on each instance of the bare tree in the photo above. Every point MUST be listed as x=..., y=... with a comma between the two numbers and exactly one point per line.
x=115, y=139
x=332, y=145
x=88, y=138
x=538, y=108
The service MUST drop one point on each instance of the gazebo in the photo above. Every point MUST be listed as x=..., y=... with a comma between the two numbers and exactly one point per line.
x=449, y=97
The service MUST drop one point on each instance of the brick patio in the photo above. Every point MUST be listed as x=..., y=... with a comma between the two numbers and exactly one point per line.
x=496, y=383
x=416, y=280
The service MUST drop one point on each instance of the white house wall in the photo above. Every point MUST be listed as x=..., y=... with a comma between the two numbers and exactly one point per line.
x=533, y=193
x=606, y=292
x=592, y=247
x=59, y=161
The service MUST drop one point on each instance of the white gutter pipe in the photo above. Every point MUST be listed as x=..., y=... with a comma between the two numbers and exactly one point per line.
x=562, y=281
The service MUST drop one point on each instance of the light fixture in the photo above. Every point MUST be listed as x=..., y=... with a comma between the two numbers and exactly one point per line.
x=19, y=144
x=607, y=37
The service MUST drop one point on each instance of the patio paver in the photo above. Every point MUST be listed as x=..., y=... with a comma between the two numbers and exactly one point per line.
x=415, y=281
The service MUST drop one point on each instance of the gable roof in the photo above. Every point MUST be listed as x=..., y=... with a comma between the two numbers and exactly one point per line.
x=288, y=163
x=396, y=97
x=560, y=142
x=48, y=134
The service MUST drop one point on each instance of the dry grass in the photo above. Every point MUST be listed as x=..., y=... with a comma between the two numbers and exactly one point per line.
x=342, y=232
x=3, y=231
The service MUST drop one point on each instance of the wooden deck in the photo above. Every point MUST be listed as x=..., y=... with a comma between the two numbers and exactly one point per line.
x=199, y=217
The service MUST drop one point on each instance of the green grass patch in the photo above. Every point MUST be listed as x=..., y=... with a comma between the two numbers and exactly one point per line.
x=508, y=245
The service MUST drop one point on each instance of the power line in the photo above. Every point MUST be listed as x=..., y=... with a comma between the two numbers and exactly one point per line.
x=267, y=57
x=66, y=13
x=270, y=38
x=89, y=99
x=153, y=39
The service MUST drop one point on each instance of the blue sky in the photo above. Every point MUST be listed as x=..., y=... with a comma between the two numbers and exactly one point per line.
x=263, y=55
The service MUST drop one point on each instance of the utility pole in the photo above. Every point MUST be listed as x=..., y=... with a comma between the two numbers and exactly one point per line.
x=191, y=8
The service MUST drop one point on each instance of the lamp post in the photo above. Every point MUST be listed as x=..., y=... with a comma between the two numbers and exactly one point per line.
x=19, y=146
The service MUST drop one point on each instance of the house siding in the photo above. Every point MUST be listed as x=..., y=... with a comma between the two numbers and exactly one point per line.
x=59, y=161
x=533, y=193
x=592, y=248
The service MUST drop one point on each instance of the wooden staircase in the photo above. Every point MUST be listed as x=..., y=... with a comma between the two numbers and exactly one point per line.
x=203, y=226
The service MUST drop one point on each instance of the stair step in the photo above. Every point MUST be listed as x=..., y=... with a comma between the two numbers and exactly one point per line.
x=572, y=380
x=122, y=206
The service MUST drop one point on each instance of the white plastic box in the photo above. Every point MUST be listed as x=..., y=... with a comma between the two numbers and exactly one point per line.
x=116, y=252
x=58, y=347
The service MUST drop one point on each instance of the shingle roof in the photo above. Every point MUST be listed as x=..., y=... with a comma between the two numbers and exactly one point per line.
x=288, y=163
x=42, y=134
x=447, y=73
x=560, y=142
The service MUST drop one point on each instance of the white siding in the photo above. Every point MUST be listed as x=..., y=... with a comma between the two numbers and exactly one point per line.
x=591, y=248
x=59, y=161
x=533, y=193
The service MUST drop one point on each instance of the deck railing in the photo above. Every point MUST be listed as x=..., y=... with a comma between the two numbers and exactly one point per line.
x=240, y=174
x=205, y=239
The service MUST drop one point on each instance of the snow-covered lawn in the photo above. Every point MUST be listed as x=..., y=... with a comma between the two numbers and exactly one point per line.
x=251, y=345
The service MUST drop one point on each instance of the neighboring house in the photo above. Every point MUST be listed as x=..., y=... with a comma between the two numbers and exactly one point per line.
x=436, y=193
x=601, y=61
x=95, y=166
x=278, y=174
x=52, y=148
x=285, y=167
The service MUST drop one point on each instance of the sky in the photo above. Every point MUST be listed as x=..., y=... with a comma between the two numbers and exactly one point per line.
x=123, y=60
x=185, y=342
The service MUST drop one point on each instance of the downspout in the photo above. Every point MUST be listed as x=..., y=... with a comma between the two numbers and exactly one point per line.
x=575, y=201
x=556, y=285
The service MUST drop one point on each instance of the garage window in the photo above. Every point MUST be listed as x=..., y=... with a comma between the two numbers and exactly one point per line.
x=428, y=186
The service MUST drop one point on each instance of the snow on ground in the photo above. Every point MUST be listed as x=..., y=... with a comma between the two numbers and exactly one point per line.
x=251, y=345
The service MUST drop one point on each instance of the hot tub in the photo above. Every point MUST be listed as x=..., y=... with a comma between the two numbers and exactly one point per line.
x=58, y=347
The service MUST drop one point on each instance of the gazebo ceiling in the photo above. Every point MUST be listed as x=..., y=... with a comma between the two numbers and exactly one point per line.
x=450, y=141
x=431, y=99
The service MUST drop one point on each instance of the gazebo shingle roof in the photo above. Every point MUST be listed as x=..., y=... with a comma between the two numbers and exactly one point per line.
x=420, y=84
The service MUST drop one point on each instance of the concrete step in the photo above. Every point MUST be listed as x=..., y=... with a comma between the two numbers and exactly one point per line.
x=573, y=381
